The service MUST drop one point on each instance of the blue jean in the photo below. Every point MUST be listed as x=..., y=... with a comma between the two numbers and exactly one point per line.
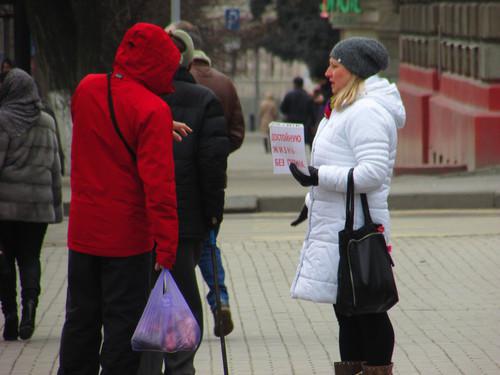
x=206, y=269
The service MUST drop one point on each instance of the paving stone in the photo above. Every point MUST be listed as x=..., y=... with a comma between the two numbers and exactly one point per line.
x=447, y=321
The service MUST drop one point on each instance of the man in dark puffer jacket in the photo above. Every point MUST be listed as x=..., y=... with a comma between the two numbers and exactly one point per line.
x=200, y=175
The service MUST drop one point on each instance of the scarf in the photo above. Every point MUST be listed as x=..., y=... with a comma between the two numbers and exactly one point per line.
x=20, y=103
x=328, y=109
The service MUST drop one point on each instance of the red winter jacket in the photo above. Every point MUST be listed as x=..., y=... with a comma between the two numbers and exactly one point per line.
x=120, y=207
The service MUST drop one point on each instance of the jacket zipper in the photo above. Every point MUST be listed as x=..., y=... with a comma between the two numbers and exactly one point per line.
x=365, y=237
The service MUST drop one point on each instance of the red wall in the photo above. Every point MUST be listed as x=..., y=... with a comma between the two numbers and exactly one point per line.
x=416, y=85
x=452, y=121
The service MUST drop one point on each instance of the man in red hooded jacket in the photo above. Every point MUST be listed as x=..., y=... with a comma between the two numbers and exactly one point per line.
x=123, y=202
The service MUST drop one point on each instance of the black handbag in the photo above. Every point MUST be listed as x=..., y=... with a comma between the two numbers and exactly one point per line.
x=366, y=282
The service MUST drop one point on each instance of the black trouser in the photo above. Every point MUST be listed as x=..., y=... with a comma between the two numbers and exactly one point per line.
x=22, y=242
x=106, y=294
x=368, y=337
x=183, y=272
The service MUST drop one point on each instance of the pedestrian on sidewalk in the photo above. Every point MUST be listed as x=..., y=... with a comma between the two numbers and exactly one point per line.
x=268, y=113
x=30, y=196
x=319, y=102
x=297, y=107
x=123, y=202
x=205, y=74
x=359, y=131
x=200, y=176
x=7, y=66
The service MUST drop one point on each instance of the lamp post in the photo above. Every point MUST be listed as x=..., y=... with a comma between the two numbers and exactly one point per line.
x=175, y=11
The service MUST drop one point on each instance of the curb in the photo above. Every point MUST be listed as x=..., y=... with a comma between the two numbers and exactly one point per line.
x=413, y=201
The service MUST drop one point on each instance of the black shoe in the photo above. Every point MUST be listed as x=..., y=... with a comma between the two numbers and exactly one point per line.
x=225, y=326
x=10, y=328
x=27, y=325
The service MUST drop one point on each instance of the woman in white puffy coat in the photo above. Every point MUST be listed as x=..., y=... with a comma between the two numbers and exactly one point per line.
x=359, y=131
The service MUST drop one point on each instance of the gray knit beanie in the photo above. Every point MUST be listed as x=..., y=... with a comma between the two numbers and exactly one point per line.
x=363, y=57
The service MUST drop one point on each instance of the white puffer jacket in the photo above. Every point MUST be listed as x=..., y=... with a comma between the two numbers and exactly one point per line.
x=363, y=136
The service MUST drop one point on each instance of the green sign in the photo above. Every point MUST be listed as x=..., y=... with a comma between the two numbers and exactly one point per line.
x=342, y=6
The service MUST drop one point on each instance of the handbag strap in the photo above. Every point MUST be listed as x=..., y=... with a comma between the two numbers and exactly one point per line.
x=349, y=215
x=113, y=119
x=366, y=209
x=349, y=204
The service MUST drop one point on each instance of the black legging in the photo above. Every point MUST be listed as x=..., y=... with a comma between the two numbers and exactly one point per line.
x=23, y=243
x=368, y=337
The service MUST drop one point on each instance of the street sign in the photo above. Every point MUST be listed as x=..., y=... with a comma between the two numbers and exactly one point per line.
x=232, y=16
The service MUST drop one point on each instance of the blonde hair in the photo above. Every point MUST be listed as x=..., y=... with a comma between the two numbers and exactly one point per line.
x=348, y=94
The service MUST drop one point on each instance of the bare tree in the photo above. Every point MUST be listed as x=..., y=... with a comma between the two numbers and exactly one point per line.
x=77, y=37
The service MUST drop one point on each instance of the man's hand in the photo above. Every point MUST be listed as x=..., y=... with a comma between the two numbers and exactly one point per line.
x=304, y=179
x=158, y=267
x=180, y=130
x=302, y=216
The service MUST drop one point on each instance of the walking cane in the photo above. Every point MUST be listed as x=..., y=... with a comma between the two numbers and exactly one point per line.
x=218, y=321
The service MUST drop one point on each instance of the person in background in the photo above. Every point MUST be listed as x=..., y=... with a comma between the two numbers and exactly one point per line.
x=297, y=107
x=123, y=202
x=205, y=74
x=359, y=131
x=223, y=87
x=268, y=113
x=319, y=107
x=7, y=65
x=326, y=89
x=30, y=196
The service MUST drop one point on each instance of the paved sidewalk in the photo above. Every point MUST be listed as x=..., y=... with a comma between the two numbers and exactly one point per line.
x=447, y=322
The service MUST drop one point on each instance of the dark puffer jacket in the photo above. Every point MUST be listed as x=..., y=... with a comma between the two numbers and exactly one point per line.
x=201, y=157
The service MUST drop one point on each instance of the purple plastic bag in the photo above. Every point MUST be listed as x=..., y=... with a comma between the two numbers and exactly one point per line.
x=167, y=324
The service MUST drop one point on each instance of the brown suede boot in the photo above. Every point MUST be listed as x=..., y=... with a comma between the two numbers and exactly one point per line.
x=377, y=370
x=348, y=368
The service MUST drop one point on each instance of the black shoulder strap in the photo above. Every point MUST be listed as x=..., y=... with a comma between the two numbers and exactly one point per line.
x=349, y=206
x=113, y=119
x=349, y=215
x=366, y=209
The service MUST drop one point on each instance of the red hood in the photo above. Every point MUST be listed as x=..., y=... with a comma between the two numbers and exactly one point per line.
x=148, y=55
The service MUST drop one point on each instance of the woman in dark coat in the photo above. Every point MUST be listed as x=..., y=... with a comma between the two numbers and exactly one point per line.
x=30, y=196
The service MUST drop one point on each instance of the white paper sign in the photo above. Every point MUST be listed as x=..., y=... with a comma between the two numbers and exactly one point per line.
x=287, y=146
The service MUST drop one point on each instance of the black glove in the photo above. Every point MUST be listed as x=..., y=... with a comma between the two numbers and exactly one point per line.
x=302, y=217
x=304, y=179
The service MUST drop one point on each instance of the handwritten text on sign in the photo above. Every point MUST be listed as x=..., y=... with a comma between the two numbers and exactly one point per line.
x=287, y=145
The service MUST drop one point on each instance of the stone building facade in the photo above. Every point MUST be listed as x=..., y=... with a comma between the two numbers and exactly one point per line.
x=256, y=71
x=377, y=19
x=450, y=83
